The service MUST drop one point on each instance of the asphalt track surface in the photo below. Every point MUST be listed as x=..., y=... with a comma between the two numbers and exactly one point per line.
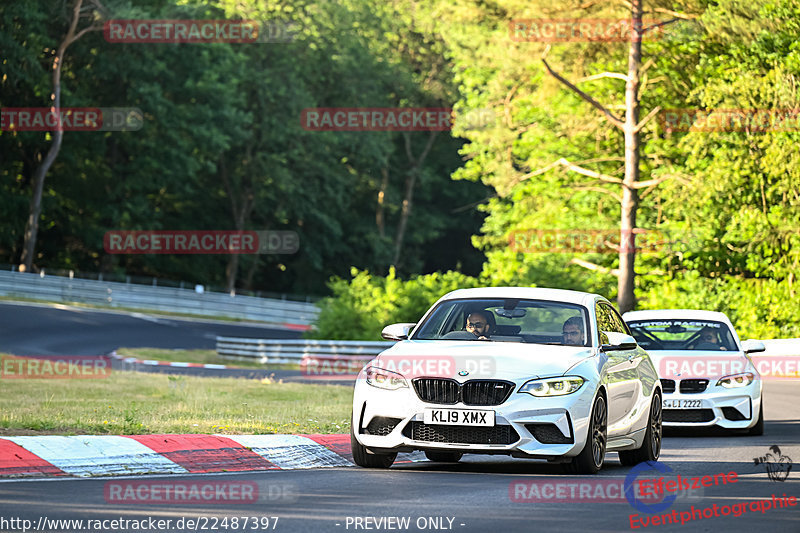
x=44, y=330
x=473, y=495
x=32, y=329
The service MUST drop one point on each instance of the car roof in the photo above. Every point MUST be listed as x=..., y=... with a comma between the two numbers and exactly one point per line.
x=688, y=314
x=529, y=293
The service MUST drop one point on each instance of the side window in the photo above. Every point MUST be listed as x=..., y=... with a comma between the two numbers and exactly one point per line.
x=604, y=322
x=619, y=324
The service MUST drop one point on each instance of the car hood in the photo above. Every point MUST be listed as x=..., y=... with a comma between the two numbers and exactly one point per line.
x=690, y=364
x=482, y=360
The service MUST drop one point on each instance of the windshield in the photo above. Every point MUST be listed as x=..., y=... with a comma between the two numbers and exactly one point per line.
x=507, y=320
x=682, y=335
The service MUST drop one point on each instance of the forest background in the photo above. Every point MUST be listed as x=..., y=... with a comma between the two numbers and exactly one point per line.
x=390, y=221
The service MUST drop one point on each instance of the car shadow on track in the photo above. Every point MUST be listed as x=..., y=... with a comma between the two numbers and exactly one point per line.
x=474, y=464
x=780, y=432
x=772, y=429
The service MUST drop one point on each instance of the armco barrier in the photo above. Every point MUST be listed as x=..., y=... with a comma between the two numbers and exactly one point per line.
x=145, y=297
x=298, y=351
x=780, y=347
x=302, y=351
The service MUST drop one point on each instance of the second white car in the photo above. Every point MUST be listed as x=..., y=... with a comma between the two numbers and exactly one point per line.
x=706, y=372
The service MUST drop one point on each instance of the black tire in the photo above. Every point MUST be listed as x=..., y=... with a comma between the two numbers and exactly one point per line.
x=444, y=457
x=650, y=449
x=758, y=429
x=369, y=460
x=591, y=458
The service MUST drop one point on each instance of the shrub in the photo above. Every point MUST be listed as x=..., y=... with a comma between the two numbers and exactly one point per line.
x=758, y=308
x=360, y=308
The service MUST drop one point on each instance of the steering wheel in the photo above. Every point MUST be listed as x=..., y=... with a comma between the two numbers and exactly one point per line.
x=459, y=336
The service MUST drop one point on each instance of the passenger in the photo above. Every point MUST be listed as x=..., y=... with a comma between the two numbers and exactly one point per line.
x=572, y=332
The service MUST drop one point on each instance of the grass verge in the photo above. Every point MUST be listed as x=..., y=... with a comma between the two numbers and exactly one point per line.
x=131, y=403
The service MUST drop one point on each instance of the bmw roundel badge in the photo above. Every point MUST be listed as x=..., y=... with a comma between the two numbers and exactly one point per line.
x=463, y=373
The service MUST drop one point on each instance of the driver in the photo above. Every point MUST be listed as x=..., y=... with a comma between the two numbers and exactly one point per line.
x=709, y=340
x=572, y=332
x=479, y=324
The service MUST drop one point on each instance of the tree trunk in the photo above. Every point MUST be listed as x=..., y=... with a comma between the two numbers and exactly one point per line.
x=630, y=127
x=380, y=210
x=630, y=198
x=35, y=207
x=413, y=172
x=411, y=180
x=241, y=207
x=231, y=272
x=251, y=272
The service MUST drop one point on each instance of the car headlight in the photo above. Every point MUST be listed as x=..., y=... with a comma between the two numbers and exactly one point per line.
x=553, y=386
x=736, y=380
x=384, y=379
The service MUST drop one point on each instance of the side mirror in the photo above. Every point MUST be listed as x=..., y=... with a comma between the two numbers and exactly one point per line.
x=397, y=332
x=618, y=342
x=753, y=346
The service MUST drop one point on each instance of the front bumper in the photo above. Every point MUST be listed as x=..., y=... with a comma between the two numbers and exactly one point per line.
x=716, y=406
x=561, y=423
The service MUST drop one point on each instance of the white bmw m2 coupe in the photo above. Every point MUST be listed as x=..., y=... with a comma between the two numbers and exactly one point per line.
x=528, y=372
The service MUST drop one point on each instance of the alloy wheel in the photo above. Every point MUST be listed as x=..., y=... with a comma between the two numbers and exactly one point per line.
x=599, y=431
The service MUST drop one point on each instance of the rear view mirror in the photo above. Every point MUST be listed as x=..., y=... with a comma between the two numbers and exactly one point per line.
x=510, y=313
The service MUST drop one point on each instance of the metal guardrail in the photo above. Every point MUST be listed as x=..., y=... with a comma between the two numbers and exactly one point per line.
x=298, y=351
x=780, y=347
x=152, y=298
x=302, y=351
